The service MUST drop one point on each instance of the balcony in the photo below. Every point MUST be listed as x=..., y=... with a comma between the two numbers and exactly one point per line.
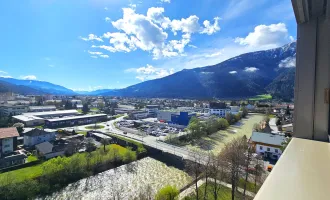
x=303, y=172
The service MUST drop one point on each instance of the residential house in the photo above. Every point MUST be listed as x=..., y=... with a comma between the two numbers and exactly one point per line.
x=47, y=150
x=37, y=136
x=8, y=145
x=8, y=140
x=267, y=144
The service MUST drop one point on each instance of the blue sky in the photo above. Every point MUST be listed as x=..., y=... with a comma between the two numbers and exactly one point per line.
x=95, y=44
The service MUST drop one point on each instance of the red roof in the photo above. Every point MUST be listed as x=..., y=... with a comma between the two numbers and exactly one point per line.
x=8, y=132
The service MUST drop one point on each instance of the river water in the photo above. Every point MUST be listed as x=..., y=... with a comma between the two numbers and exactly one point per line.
x=125, y=182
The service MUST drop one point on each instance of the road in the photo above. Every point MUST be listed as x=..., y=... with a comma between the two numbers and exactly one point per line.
x=272, y=124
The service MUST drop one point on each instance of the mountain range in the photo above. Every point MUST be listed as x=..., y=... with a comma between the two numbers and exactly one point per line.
x=269, y=71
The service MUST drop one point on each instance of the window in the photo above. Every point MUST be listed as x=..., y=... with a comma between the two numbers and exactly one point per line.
x=260, y=147
x=268, y=149
x=276, y=150
x=7, y=145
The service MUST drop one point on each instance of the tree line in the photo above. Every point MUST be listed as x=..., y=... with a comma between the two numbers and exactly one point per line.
x=58, y=172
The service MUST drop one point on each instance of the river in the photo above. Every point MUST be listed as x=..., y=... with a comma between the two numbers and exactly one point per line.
x=124, y=182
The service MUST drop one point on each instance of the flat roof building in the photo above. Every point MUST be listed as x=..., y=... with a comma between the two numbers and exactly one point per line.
x=75, y=120
x=42, y=108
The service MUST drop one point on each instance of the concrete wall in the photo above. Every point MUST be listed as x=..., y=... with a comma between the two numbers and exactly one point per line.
x=7, y=145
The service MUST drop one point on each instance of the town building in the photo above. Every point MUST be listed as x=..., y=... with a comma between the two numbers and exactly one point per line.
x=42, y=108
x=152, y=110
x=219, y=109
x=75, y=120
x=53, y=114
x=174, y=117
x=8, y=140
x=76, y=102
x=267, y=144
x=139, y=114
x=7, y=109
x=29, y=120
x=8, y=145
x=37, y=136
x=47, y=150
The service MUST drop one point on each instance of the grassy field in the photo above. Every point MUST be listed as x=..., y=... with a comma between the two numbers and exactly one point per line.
x=92, y=127
x=261, y=97
x=35, y=171
x=217, y=141
x=31, y=158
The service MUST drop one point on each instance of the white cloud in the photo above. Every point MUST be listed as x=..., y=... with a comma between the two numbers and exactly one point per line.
x=107, y=19
x=165, y=1
x=236, y=8
x=149, y=72
x=192, y=46
x=289, y=62
x=93, y=56
x=105, y=8
x=47, y=58
x=264, y=36
x=92, y=37
x=104, y=56
x=233, y=72
x=51, y=65
x=209, y=28
x=3, y=72
x=28, y=77
x=3, y=76
x=95, y=53
x=250, y=69
x=147, y=32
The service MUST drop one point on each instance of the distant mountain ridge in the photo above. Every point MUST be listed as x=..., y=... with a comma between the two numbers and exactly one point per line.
x=42, y=86
x=242, y=76
x=20, y=89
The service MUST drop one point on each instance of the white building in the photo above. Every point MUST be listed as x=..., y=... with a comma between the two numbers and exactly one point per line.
x=267, y=144
x=219, y=109
x=37, y=136
x=139, y=114
x=29, y=120
x=76, y=102
x=7, y=109
x=42, y=108
x=164, y=115
x=8, y=140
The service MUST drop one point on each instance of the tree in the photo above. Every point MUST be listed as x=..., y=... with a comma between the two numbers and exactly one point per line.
x=223, y=123
x=19, y=127
x=85, y=108
x=233, y=156
x=278, y=122
x=195, y=168
x=196, y=128
x=259, y=171
x=247, y=163
x=287, y=111
x=68, y=105
x=104, y=142
x=244, y=111
x=167, y=193
x=217, y=171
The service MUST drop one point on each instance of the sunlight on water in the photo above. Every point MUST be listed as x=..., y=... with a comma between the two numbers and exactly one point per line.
x=126, y=181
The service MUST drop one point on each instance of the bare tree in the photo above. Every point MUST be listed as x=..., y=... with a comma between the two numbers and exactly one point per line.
x=247, y=163
x=233, y=155
x=259, y=171
x=217, y=171
x=207, y=173
x=195, y=167
x=104, y=142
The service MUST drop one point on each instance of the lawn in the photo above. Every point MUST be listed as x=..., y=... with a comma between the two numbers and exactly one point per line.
x=223, y=194
x=261, y=97
x=35, y=171
x=92, y=127
x=217, y=141
x=119, y=115
x=31, y=158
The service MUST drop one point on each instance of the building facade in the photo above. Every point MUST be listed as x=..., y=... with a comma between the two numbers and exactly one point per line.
x=75, y=120
x=152, y=110
x=268, y=145
x=8, y=140
x=219, y=109
x=37, y=136
x=42, y=108
x=7, y=109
